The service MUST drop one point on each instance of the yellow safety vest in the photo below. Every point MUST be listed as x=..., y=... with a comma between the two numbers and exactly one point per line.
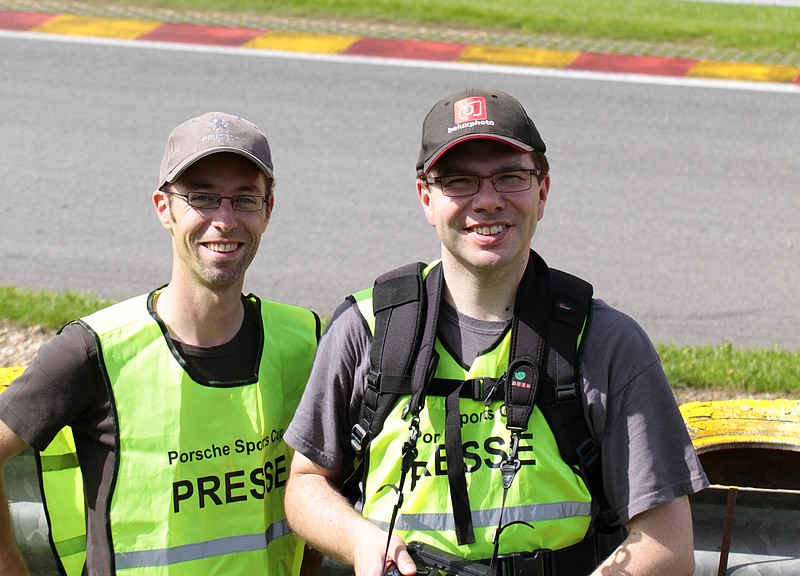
x=200, y=468
x=546, y=493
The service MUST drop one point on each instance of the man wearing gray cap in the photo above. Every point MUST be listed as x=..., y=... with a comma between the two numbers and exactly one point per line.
x=483, y=414
x=159, y=421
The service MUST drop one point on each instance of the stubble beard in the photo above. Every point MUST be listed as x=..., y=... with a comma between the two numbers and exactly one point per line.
x=222, y=276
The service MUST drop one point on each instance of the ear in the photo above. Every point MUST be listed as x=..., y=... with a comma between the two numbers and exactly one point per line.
x=544, y=190
x=161, y=205
x=425, y=199
x=268, y=207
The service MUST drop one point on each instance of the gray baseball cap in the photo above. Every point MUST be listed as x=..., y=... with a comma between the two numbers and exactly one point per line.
x=211, y=133
x=473, y=114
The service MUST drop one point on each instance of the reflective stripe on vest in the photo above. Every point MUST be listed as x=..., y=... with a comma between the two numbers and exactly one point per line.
x=547, y=493
x=443, y=521
x=210, y=548
x=200, y=468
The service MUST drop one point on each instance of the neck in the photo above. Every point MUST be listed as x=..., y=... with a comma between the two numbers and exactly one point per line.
x=201, y=316
x=482, y=294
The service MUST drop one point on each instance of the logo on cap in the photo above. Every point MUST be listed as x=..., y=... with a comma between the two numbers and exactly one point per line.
x=219, y=132
x=470, y=109
x=217, y=125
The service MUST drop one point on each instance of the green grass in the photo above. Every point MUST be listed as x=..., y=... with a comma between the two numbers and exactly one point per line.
x=768, y=29
x=755, y=370
x=760, y=370
x=51, y=311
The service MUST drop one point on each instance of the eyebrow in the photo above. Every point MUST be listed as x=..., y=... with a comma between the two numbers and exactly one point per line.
x=458, y=170
x=250, y=190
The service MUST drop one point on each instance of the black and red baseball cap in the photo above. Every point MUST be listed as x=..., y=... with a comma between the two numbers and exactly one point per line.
x=473, y=114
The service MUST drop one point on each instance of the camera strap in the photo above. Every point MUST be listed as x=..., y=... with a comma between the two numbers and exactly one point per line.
x=409, y=454
x=508, y=468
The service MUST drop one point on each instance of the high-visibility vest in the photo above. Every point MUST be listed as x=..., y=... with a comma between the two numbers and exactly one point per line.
x=547, y=493
x=200, y=468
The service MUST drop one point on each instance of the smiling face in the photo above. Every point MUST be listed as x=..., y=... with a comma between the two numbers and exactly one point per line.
x=214, y=247
x=488, y=233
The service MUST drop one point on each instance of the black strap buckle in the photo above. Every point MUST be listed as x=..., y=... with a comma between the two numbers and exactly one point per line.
x=566, y=393
x=357, y=436
x=587, y=452
x=538, y=563
x=373, y=379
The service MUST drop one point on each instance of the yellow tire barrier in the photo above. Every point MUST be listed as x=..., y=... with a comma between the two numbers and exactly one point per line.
x=747, y=442
x=743, y=422
x=7, y=375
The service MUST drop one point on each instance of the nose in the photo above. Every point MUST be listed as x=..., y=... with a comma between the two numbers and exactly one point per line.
x=224, y=216
x=487, y=198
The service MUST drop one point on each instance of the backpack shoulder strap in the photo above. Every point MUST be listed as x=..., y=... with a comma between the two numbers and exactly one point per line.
x=562, y=400
x=397, y=295
x=402, y=354
x=543, y=362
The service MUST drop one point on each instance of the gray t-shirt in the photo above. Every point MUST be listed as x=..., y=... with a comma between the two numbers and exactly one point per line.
x=648, y=457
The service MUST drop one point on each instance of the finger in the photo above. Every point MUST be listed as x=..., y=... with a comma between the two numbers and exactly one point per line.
x=404, y=563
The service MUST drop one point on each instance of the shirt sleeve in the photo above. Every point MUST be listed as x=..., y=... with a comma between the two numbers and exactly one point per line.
x=58, y=389
x=648, y=457
x=320, y=429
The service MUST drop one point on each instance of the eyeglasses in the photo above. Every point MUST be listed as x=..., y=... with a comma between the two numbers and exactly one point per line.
x=209, y=201
x=508, y=182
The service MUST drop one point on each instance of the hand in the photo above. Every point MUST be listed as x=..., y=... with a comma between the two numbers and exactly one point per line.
x=369, y=560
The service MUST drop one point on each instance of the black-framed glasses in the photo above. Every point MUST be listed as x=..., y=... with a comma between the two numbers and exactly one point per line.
x=210, y=201
x=506, y=182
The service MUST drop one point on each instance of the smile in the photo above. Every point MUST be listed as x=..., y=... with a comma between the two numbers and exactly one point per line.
x=218, y=247
x=489, y=230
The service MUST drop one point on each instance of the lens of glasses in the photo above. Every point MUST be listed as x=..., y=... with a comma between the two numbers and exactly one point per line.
x=468, y=184
x=243, y=203
x=516, y=181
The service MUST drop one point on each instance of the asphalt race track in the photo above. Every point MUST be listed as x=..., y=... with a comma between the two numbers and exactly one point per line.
x=678, y=199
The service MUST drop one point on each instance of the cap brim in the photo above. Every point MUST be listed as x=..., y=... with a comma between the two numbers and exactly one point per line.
x=513, y=142
x=176, y=172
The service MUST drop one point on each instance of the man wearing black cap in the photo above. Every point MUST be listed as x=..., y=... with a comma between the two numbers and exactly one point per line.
x=444, y=401
x=160, y=419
